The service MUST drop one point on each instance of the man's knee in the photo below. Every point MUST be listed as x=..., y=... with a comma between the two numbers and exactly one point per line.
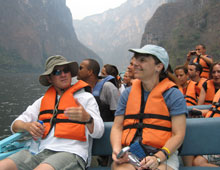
x=199, y=161
x=44, y=166
x=123, y=166
x=8, y=164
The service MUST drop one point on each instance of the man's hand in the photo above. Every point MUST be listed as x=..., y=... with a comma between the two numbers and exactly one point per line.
x=189, y=56
x=35, y=129
x=77, y=113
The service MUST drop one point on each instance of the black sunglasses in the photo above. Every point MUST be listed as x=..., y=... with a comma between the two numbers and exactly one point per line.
x=58, y=72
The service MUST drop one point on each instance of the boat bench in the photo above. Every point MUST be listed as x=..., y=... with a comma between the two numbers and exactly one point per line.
x=202, y=137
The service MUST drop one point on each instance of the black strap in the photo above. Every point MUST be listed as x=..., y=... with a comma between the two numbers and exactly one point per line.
x=55, y=120
x=50, y=111
x=141, y=126
x=198, y=59
x=217, y=104
x=187, y=101
x=190, y=97
x=214, y=111
x=147, y=116
x=138, y=134
x=208, y=101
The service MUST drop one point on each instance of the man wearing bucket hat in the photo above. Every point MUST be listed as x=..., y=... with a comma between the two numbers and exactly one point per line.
x=70, y=119
x=150, y=114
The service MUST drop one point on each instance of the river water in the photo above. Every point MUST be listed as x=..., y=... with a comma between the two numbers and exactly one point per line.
x=17, y=91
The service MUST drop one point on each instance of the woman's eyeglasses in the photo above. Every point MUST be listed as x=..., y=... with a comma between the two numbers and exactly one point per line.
x=58, y=72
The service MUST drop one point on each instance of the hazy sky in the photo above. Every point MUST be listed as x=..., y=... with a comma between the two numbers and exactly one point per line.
x=83, y=8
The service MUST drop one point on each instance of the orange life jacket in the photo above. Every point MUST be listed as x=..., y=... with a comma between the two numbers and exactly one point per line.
x=205, y=67
x=210, y=93
x=156, y=126
x=215, y=110
x=181, y=89
x=190, y=96
x=64, y=128
x=199, y=85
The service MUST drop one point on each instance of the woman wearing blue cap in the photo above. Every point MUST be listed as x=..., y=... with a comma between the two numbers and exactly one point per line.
x=151, y=115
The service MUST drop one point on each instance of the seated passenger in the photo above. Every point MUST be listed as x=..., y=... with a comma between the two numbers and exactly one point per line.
x=211, y=86
x=194, y=72
x=187, y=87
x=70, y=119
x=152, y=112
x=202, y=58
x=104, y=90
x=112, y=70
x=130, y=69
x=181, y=73
x=210, y=160
x=127, y=80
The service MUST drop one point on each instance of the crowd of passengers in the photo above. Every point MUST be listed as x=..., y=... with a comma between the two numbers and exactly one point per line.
x=147, y=105
x=198, y=79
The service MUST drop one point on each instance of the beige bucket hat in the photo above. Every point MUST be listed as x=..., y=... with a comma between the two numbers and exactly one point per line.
x=57, y=60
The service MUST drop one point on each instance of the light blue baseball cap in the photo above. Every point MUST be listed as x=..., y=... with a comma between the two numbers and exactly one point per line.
x=155, y=50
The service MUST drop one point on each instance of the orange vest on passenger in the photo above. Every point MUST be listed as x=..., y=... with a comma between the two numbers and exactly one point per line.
x=183, y=90
x=156, y=127
x=64, y=128
x=190, y=96
x=205, y=67
x=210, y=93
x=215, y=110
x=199, y=85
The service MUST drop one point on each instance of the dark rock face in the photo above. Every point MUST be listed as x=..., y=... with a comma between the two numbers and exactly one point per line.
x=180, y=26
x=32, y=30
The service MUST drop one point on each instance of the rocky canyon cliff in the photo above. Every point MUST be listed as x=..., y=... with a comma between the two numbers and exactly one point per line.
x=181, y=25
x=32, y=30
x=113, y=32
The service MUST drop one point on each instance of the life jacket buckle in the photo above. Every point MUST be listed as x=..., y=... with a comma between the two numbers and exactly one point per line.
x=139, y=126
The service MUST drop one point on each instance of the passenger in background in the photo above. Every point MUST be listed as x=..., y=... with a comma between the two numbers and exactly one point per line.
x=171, y=75
x=104, y=90
x=181, y=73
x=187, y=87
x=112, y=70
x=127, y=80
x=202, y=58
x=210, y=160
x=211, y=86
x=152, y=113
x=130, y=69
x=194, y=72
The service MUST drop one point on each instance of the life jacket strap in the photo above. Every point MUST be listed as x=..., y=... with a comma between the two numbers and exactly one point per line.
x=50, y=111
x=55, y=120
x=142, y=125
x=147, y=116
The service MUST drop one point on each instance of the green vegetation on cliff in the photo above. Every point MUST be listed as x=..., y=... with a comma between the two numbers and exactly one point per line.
x=180, y=26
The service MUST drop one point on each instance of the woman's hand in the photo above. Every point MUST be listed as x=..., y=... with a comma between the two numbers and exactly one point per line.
x=149, y=162
x=121, y=160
